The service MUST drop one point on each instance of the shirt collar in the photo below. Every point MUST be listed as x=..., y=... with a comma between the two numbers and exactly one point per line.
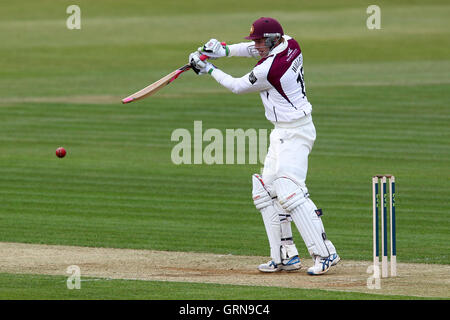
x=279, y=48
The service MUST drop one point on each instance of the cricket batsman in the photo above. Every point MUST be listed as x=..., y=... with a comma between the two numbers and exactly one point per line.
x=280, y=193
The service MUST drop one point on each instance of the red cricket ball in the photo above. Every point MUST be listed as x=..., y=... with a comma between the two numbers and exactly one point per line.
x=60, y=152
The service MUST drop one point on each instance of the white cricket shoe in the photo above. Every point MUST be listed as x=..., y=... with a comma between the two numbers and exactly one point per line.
x=292, y=264
x=323, y=264
x=335, y=259
x=270, y=266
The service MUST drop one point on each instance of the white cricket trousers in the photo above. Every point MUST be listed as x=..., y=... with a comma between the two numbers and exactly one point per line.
x=290, y=145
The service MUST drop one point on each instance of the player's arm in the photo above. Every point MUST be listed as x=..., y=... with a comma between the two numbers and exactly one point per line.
x=256, y=80
x=243, y=49
x=251, y=82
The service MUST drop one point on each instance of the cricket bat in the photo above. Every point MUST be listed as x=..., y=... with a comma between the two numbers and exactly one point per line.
x=158, y=85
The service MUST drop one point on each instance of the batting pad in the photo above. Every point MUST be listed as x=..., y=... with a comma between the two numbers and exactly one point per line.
x=269, y=212
x=273, y=230
x=285, y=222
x=303, y=211
x=260, y=195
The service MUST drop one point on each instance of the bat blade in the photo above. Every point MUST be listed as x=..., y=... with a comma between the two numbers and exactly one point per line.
x=155, y=86
x=161, y=83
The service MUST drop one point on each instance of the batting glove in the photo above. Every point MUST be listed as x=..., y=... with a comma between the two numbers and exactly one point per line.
x=200, y=67
x=214, y=49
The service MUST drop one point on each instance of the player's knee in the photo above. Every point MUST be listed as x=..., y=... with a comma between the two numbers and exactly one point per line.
x=290, y=195
x=260, y=194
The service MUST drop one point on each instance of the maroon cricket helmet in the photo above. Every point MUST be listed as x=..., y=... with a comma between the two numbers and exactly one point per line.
x=264, y=27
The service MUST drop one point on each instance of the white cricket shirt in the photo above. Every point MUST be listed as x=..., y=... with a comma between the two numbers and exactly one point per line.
x=278, y=77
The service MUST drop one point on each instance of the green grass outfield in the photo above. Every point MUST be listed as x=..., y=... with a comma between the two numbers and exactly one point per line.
x=380, y=105
x=27, y=287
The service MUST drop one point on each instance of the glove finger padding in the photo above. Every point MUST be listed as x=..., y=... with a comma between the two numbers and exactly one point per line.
x=210, y=55
x=214, y=49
